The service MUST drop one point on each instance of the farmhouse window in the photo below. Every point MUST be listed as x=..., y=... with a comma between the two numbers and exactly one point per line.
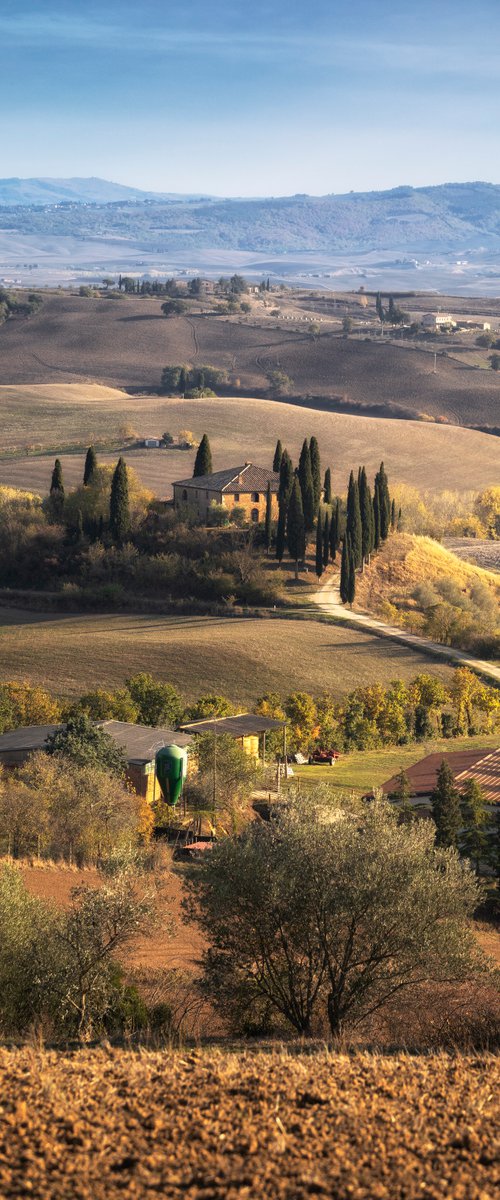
x=255, y=514
x=184, y=495
x=236, y=496
x=255, y=497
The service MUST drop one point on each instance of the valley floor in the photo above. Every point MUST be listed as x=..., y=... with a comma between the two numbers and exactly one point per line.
x=208, y=1124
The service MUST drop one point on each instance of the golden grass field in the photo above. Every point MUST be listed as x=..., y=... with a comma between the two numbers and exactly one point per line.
x=239, y=657
x=427, y=456
x=406, y=561
x=215, y=1125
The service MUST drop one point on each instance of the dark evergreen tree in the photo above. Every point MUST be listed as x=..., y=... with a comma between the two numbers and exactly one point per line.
x=79, y=526
x=354, y=527
x=57, y=483
x=183, y=381
x=268, y=527
x=384, y=502
x=319, y=545
x=203, y=460
x=315, y=471
x=306, y=486
x=402, y=797
x=351, y=586
x=379, y=307
x=326, y=539
x=296, y=532
x=286, y=478
x=445, y=804
x=119, y=508
x=376, y=519
x=367, y=518
x=281, y=529
x=327, y=487
x=345, y=569
x=335, y=530
x=399, y=523
x=90, y=465
x=278, y=455
x=393, y=515
x=475, y=822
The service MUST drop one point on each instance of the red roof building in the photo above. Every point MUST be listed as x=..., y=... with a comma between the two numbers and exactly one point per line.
x=481, y=765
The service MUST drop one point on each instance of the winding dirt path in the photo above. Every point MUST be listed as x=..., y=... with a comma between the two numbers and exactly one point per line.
x=327, y=598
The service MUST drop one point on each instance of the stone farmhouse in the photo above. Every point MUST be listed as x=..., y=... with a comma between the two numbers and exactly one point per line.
x=237, y=487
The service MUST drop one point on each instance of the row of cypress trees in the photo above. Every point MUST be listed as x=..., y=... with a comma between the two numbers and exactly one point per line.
x=119, y=504
x=369, y=521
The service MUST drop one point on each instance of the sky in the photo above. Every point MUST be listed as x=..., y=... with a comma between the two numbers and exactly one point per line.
x=251, y=97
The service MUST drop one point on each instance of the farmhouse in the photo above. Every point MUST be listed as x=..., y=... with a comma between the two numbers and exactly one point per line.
x=140, y=744
x=439, y=320
x=481, y=765
x=237, y=487
x=247, y=728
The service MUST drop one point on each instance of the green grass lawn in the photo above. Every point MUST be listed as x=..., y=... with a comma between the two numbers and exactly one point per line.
x=364, y=769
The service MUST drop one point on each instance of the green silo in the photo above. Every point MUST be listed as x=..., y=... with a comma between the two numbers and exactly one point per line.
x=171, y=770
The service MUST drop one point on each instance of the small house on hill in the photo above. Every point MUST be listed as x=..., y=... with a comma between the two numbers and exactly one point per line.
x=236, y=487
x=249, y=729
x=481, y=765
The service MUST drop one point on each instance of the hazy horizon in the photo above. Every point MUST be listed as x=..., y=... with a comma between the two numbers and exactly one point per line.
x=270, y=100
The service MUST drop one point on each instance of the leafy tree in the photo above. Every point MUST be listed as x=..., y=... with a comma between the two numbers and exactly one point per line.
x=21, y=704
x=157, y=703
x=296, y=533
x=174, y=308
x=445, y=804
x=319, y=545
x=475, y=818
x=316, y=471
x=87, y=745
x=203, y=460
x=209, y=706
x=238, y=285
x=90, y=465
x=279, y=382
x=346, y=326
x=119, y=506
x=302, y=717
x=225, y=778
x=330, y=910
x=100, y=705
x=278, y=455
x=327, y=487
x=495, y=361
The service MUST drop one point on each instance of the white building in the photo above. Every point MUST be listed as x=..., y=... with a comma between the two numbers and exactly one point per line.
x=438, y=320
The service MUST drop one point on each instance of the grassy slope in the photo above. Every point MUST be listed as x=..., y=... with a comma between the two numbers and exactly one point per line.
x=126, y=343
x=365, y=769
x=406, y=561
x=413, y=453
x=239, y=657
x=106, y=1123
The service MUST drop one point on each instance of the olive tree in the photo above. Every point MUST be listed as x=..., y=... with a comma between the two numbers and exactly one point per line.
x=329, y=911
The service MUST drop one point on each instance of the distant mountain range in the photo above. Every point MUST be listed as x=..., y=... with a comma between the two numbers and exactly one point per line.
x=452, y=217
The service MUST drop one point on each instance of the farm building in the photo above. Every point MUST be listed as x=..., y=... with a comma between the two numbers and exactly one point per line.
x=481, y=765
x=237, y=487
x=140, y=744
x=246, y=728
x=439, y=320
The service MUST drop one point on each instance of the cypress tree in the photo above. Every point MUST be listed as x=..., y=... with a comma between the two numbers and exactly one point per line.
x=268, y=527
x=475, y=819
x=203, y=460
x=119, y=509
x=376, y=518
x=327, y=487
x=354, y=527
x=315, y=471
x=286, y=476
x=402, y=796
x=345, y=569
x=445, y=804
x=335, y=530
x=384, y=502
x=399, y=525
x=326, y=540
x=296, y=533
x=319, y=546
x=281, y=530
x=367, y=519
x=57, y=483
x=351, y=585
x=393, y=515
x=79, y=526
x=183, y=380
x=306, y=486
x=90, y=465
x=278, y=455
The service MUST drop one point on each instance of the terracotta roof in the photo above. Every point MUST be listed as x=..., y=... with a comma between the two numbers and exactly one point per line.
x=246, y=478
x=482, y=765
x=245, y=725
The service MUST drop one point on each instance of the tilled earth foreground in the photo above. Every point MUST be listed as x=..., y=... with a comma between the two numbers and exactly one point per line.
x=210, y=1124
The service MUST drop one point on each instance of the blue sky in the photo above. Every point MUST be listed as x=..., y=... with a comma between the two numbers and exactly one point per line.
x=256, y=97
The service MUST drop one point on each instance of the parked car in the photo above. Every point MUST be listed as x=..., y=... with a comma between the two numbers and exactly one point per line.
x=324, y=756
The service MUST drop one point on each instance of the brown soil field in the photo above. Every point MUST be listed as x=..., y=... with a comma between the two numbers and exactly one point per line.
x=431, y=457
x=213, y=1125
x=239, y=657
x=484, y=554
x=126, y=343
